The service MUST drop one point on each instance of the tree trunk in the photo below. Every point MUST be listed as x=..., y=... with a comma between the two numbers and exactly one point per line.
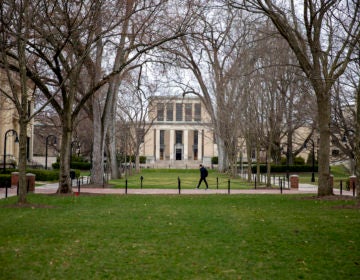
x=137, y=160
x=222, y=157
x=97, y=171
x=357, y=142
x=258, y=162
x=324, y=145
x=112, y=137
x=268, y=167
x=249, y=159
x=22, y=161
x=65, y=180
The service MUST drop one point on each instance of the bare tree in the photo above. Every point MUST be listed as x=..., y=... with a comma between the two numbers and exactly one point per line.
x=134, y=111
x=15, y=18
x=142, y=26
x=322, y=35
x=208, y=63
x=65, y=36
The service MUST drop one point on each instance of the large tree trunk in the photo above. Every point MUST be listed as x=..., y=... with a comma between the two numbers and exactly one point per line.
x=268, y=166
x=65, y=180
x=112, y=134
x=22, y=161
x=357, y=142
x=114, y=168
x=222, y=158
x=249, y=159
x=323, y=102
x=97, y=171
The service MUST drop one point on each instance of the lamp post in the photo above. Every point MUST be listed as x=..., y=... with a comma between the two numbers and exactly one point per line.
x=46, y=147
x=345, y=140
x=313, y=158
x=16, y=141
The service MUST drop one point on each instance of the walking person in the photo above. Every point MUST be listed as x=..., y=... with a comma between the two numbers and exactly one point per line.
x=203, y=175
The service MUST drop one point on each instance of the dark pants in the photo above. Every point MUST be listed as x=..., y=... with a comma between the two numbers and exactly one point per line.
x=202, y=179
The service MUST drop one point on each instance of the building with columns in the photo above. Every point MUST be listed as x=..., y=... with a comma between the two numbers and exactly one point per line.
x=180, y=134
x=9, y=125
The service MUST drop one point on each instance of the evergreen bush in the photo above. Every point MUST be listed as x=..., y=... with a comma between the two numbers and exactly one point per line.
x=5, y=180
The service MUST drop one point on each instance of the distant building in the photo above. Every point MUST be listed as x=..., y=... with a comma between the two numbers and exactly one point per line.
x=9, y=120
x=181, y=134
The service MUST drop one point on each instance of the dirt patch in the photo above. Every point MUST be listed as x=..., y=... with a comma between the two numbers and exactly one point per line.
x=355, y=206
x=330, y=197
x=94, y=186
x=337, y=198
x=28, y=205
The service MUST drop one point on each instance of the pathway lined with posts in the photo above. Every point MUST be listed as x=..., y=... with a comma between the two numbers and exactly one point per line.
x=51, y=189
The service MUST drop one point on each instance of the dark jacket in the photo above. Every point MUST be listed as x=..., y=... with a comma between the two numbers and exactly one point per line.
x=203, y=172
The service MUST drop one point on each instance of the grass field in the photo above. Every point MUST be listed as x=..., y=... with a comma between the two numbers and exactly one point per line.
x=189, y=178
x=179, y=237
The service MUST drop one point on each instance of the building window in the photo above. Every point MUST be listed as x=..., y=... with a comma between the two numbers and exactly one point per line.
x=179, y=112
x=188, y=112
x=162, y=144
x=170, y=112
x=197, y=116
x=196, y=137
x=179, y=136
x=196, y=142
x=160, y=112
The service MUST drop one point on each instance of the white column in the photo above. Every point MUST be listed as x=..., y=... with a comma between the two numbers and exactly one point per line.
x=186, y=144
x=157, y=146
x=172, y=143
x=200, y=156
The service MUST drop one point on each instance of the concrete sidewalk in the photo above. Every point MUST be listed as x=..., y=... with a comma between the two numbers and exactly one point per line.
x=51, y=189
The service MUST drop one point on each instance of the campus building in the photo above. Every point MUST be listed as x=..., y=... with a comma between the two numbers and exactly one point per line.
x=180, y=134
x=9, y=126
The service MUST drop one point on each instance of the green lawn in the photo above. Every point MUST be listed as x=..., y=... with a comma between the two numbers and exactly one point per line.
x=168, y=178
x=179, y=237
x=189, y=178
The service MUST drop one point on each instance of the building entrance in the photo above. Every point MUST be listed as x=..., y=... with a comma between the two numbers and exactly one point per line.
x=178, y=154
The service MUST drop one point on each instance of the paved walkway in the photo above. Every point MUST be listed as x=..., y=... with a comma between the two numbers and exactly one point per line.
x=51, y=188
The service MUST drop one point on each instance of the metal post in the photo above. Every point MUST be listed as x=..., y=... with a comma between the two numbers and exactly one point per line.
x=141, y=181
x=126, y=186
x=354, y=186
x=229, y=186
x=255, y=183
x=217, y=183
x=16, y=141
x=179, y=185
x=281, y=189
x=79, y=185
x=288, y=183
x=341, y=187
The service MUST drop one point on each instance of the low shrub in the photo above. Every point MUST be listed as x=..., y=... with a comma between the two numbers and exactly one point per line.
x=5, y=180
x=284, y=168
x=75, y=165
x=44, y=175
x=214, y=160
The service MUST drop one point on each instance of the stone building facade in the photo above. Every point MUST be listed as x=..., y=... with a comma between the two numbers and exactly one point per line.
x=180, y=134
x=9, y=122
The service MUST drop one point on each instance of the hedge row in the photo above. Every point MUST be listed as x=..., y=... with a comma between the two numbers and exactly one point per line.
x=75, y=165
x=284, y=168
x=40, y=175
x=5, y=180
